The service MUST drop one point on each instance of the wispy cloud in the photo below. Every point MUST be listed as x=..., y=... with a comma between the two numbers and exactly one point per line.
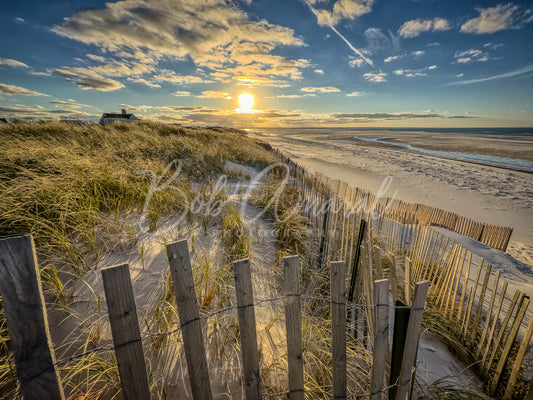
x=323, y=89
x=12, y=63
x=375, y=76
x=68, y=104
x=184, y=79
x=214, y=94
x=393, y=58
x=145, y=82
x=355, y=94
x=411, y=73
x=471, y=55
x=521, y=71
x=319, y=71
x=181, y=93
x=88, y=79
x=18, y=90
x=494, y=19
x=415, y=27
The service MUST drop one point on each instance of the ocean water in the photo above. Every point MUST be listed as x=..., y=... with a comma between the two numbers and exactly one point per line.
x=388, y=136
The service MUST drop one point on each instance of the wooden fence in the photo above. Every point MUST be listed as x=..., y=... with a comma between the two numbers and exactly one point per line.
x=496, y=237
x=493, y=323
x=39, y=376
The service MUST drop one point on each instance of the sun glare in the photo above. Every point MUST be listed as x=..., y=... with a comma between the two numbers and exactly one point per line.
x=246, y=101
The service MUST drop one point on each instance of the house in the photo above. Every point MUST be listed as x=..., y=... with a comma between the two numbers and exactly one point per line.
x=109, y=118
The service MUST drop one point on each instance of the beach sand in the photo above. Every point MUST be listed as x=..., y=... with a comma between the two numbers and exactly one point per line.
x=484, y=193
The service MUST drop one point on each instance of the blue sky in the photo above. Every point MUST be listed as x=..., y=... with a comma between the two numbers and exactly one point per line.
x=305, y=62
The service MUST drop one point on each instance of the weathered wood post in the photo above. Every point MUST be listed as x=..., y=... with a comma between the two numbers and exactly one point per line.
x=191, y=328
x=381, y=337
x=248, y=334
x=338, y=328
x=126, y=333
x=293, y=318
x=411, y=344
x=27, y=324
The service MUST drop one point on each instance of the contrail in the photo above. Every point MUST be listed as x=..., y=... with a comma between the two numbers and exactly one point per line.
x=366, y=59
x=520, y=71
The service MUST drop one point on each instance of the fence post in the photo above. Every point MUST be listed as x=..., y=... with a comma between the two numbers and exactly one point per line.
x=407, y=280
x=126, y=333
x=191, y=328
x=411, y=344
x=248, y=334
x=338, y=328
x=355, y=265
x=23, y=302
x=381, y=337
x=293, y=318
x=401, y=320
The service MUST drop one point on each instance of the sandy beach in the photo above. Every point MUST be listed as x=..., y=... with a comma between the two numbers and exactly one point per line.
x=489, y=194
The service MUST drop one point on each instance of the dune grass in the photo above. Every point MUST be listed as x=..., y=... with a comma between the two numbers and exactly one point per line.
x=81, y=191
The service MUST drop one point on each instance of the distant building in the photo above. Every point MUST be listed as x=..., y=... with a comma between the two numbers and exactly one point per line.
x=109, y=118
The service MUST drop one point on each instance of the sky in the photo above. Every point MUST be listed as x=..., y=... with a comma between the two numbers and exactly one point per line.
x=305, y=63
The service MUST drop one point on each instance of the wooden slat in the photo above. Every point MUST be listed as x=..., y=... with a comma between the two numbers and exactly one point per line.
x=189, y=315
x=126, y=333
x=27, y=324
x=518, y=362
x=381, y=338
x=494, y=324
x=411, y=344
x=338, y=328
x=507, y=347
x=293, y=318
x=489, y=314
x=503, y=327
x=248, y=335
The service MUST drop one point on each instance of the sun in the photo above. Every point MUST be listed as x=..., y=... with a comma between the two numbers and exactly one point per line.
x=246, y=101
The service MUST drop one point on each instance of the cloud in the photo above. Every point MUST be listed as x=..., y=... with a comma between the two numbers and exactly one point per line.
x=319, y=71
x=183, y=79
x=344, y=9
x=472, y=55
x=393, y=58
x=214, y=34
x=377, y=41
x=145, y=82
x=17, y=90
x=418, y=53
x=415, y=27
x=12, y=63
x=181, y=93
x=356, y=62
x=494, y=19
x=323, y=89
x=375, y=76
x=142, y=108
x=94, y=57
x=521, y=71
x=362, y=117
x=68, y=104
x=88, y=79
x=214, y=94
x=291, y=96
x=411, y=73
x=355, y=94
